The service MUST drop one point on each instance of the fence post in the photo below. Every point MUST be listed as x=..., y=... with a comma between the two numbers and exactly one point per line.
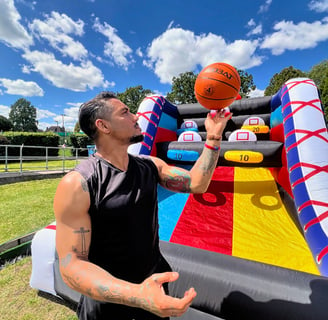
x=47, y=158
x=21, y=158
x=6, y=158
x=63, y=146
x=76, y=155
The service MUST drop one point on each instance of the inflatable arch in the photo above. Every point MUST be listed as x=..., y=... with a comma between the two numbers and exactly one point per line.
x=255, y=244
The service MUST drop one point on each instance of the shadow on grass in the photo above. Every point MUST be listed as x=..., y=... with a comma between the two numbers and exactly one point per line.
x=58, y=300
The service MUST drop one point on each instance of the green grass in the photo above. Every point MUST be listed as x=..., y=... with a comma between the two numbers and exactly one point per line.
x=55, y=165
x=19, y=301
x=26, y=207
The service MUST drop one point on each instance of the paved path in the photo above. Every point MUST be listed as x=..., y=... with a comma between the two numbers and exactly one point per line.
x=12, y=177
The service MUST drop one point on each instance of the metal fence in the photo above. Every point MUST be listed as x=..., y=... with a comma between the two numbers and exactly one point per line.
x=20, y=158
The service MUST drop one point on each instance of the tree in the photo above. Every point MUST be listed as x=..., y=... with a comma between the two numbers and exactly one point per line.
x=279, y=79
x=5, y=124
x=324, y=96
x=246, y=83
x=77, y=127
x=133, y=96
x=319, y=74
x=23, y=116
x=183, y=89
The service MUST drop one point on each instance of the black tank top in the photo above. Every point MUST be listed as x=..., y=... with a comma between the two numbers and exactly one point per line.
x=124, y=220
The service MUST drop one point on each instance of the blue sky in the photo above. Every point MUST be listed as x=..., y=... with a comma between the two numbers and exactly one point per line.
x=60, y=53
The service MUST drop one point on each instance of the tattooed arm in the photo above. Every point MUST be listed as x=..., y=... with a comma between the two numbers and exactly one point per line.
x=199, y=177
x=73, y=236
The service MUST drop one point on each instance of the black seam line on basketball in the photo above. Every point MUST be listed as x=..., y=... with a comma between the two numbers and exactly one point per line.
x=233, y=71
x=213, y=99
x=208, y=78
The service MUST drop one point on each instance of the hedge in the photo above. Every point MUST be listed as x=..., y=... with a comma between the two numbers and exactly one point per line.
x=80, y=140
x=44, y=139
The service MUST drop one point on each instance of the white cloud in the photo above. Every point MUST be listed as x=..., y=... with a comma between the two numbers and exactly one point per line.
x=69, y=119
x=265, y=7
x=72, y=112
x=177, y=51
x=255, y=29
x=256, y=93
x=251, y=23
x=56, y=29
x=290, y=36
x=74, y=104
x=28, y=3
x=21, y=87
x=170, y=25
x=43, y=114
x=319, y=5
x=73, y=77
x=139, y=52
x=4, y=111
x=115, y=48
x=12, y=33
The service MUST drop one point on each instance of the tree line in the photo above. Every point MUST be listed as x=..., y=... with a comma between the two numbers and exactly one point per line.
x=22, y=115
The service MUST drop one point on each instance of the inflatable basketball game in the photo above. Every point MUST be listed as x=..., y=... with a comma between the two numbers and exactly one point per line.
x=255, y=244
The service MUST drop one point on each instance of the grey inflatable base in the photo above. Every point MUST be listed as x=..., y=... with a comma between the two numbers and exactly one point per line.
x=232, y=288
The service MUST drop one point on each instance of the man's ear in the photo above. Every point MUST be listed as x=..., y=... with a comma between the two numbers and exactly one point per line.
x=103, y=125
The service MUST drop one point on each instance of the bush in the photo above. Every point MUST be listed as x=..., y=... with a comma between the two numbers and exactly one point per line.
x=80, y=140
x=44, y=139
x=3, y=141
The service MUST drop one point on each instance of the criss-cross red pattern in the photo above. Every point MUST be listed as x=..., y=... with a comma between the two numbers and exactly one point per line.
x=312, y=203
x=315, y=220
x=146, y=145
x=145, y=115
x=155, y=98
x=302, y=104
x=316, y=170
x=322, y=253
x=148, y=135
x=308, y=135
x=293, y=84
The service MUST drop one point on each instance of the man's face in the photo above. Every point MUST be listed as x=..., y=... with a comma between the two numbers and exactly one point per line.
x=123, y=123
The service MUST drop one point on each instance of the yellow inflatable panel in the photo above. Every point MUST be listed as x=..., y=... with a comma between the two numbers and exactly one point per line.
x=243, y=156
x=257, y=129
x=264, y=231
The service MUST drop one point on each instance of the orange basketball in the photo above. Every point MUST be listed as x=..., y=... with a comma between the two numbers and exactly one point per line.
x=217, y=86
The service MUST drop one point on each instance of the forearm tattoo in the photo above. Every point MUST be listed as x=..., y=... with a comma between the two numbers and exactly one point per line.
x=177, y=181
x=207, y=162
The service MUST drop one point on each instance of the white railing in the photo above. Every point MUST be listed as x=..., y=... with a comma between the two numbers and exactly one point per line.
x=21, y=161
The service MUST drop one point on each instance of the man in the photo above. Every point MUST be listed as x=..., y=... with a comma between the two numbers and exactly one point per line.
x=106, y=212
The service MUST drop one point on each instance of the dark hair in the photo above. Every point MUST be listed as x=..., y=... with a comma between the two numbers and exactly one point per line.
x=92, y=110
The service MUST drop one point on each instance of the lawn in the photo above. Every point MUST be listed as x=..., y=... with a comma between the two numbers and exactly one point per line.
x=19, y=301
x=26, y=207
x=54, y=165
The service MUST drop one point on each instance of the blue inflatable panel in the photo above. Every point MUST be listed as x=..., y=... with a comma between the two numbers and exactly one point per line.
x=276, y=117
x=183, y=155
x=276, y=101
x=168, y=122
x=179, y=131
x=170, y=206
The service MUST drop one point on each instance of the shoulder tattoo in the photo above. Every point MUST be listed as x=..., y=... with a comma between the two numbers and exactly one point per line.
x=84, y=185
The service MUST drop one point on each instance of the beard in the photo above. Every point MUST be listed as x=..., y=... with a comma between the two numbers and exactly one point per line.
x=136, y=138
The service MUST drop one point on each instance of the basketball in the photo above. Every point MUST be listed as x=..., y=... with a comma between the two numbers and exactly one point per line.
x=217, y=86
